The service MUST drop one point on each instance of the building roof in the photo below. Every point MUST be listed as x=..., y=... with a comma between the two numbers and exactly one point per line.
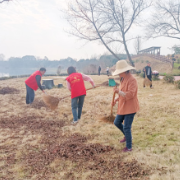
x=150, y=49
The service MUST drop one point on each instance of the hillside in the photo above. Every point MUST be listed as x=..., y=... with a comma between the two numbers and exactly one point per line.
x=141, y=62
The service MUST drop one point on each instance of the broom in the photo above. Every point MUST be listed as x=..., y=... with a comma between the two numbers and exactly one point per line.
x=146, y=81
x=52, y=102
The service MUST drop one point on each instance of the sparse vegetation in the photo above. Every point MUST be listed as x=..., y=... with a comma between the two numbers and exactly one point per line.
x=142, y=75
x=155, y=77
x=138, y=72
x=177, y=84
x=169, y=78
x=37, y=143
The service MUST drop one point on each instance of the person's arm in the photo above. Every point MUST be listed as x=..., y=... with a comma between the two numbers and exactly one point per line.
x=89, y=79
x=68, y=85
x=131, y=90
x=38, y=80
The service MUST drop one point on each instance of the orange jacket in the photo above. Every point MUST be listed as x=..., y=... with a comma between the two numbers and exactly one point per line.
x=128, y=104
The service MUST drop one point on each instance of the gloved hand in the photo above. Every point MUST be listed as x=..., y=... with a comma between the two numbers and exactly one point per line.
x=114, y=102
x=121, y=93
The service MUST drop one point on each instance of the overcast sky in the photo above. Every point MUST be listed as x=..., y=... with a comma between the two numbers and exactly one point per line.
x=37, y=27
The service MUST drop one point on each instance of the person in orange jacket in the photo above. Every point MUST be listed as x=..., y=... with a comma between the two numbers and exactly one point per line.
x=32, y=84
x=75, y=84
x=127, y=100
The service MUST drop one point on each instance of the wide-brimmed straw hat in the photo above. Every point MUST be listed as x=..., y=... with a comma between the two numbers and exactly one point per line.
x=122, y=66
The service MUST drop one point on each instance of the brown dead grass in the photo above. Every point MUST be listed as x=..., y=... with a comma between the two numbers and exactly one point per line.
x=35, y=142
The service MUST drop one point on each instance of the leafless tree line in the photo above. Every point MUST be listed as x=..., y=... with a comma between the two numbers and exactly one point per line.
x=106, y=21
x=166, y=20
x=110, y=21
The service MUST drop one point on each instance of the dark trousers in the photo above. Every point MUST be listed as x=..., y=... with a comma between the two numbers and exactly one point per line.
x=29, y=95
x=126, y=128
x=99, y=72
x=107, y=73
x=77, y=105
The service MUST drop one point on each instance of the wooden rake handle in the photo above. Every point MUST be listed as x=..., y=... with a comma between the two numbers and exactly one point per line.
x=86, y=90
x=114, y=94
x=112, y=102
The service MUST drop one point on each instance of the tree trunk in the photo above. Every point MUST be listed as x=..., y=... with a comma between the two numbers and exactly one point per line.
x=48, y=83
x=127, y=52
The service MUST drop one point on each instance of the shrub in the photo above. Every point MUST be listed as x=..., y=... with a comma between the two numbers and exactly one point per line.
x=155, y=77
x=138, y=72
x=169, y=78
x=177, y=84
x=142, y=75
x=142, y=61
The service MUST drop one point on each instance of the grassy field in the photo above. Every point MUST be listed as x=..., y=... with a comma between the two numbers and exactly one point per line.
x=37, y=143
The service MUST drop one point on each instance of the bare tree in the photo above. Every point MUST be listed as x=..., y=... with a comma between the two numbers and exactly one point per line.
x=166, y=20
x=137, y=44
x=4, y=1
x=107, y=21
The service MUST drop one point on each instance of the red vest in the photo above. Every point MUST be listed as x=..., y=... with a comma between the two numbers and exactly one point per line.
x=77, y=85
x=31, y=80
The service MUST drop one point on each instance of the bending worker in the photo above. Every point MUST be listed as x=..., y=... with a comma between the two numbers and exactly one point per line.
x=32, y=84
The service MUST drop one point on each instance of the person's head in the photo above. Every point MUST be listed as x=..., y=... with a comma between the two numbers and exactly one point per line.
x=71, y=70
x=149, y=64
x=122, y=68
x=124, y=73
x=42, y=70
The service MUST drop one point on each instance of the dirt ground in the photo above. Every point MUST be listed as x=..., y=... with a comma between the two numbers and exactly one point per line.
x=37, y=143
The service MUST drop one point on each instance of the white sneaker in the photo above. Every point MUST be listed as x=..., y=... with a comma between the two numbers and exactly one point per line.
x=74, y=122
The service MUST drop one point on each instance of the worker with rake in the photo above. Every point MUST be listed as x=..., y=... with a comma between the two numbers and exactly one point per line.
x=148, y=74
x=128, y=103
x=32, y=84
x=75, y=83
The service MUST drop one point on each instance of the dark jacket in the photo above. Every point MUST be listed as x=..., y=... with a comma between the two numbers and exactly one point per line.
x=148, y=71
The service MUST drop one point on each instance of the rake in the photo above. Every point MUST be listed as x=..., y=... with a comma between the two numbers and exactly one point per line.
x=111, y=117
x=52, y=102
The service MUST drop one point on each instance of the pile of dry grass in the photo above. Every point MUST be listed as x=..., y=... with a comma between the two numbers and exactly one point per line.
x=8, y=90
x=109, y=119
x=38, y=104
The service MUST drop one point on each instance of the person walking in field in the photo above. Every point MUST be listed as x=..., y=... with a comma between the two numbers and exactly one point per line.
x=107, y=70
x=32, y=84
x=148, y=72
x=75, y=84
x=99, y=70
x=127, y=100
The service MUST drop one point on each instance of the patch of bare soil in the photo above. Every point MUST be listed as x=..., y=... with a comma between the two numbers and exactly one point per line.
x=8, y=90
x=38, y=104
x=104, y=162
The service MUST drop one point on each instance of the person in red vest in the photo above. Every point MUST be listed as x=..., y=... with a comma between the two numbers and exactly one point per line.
x=32, y=84
x=75, y=83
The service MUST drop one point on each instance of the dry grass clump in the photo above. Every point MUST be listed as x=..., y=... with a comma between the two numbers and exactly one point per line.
x=8, y=90
x=108, y=119
x=38, y=104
